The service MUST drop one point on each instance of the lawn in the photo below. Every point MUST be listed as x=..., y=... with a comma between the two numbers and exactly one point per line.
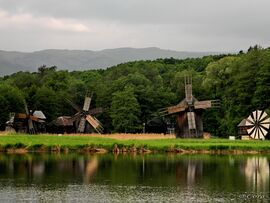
x=33, y=142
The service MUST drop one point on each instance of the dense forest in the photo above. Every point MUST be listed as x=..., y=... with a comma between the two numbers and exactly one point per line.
x=133, y=93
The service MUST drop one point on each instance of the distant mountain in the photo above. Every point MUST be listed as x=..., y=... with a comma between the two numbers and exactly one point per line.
x=11, y=62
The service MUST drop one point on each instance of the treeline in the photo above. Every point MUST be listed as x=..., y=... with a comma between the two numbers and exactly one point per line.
x=132, y=93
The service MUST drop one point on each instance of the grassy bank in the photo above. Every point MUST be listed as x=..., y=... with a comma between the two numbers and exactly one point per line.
x=26, y=143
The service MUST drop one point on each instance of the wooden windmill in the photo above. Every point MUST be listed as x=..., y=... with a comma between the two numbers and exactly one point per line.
x=26, y=122
x=86, y=115
x=189, y=113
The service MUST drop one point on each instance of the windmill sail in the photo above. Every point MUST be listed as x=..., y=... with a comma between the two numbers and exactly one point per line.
x=87, y=102
x=85, y=114
x=81, y=127
x=258, y=124
x=94, y=123
x=31, y=128
x=191, y=121
x=188, y=90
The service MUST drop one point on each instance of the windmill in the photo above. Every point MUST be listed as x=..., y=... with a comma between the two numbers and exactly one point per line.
x=86, y=115
x=257, y=124
x=189, y=113
x=25, y=122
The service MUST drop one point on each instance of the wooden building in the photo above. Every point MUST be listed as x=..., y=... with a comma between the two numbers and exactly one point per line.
x=189, y=113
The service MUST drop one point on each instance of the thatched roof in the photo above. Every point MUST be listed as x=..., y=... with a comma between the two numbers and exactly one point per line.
x=39, y=114
x=64, y=121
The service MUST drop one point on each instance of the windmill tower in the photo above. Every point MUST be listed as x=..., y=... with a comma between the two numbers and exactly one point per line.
x=189, y=113
x=86, y=115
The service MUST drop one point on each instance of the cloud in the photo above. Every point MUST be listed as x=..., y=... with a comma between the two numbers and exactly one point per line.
x=23, y=20
x=189, y=25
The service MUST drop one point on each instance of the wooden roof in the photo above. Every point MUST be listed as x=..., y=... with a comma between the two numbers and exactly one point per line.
x=242, y=123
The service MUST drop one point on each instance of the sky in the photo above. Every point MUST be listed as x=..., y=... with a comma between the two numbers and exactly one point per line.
x=182, y=25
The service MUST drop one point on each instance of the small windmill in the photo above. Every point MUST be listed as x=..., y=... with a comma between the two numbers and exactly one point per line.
x=85, y=114
x=24, y=122
x=189, y=113
x=257, y=124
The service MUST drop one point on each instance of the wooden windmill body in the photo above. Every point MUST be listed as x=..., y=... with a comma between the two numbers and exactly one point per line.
x=82, y=119
x=189, y=113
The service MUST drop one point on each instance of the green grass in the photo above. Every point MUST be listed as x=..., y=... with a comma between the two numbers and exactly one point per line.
x=35, y=142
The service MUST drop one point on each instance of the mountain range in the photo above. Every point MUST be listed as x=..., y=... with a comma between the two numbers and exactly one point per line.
x=13, y=61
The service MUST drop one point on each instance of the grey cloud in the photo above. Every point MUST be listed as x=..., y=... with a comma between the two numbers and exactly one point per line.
x=147, y=11
x=191, y=25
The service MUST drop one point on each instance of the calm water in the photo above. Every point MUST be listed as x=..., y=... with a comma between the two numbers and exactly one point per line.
x=133, y=178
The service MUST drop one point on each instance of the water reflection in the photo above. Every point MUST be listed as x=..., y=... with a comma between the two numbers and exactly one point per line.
x=189, y=171
x=194, y=174
x=257, y=173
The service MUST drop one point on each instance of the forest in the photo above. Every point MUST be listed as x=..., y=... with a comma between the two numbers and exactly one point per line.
x=133, y=93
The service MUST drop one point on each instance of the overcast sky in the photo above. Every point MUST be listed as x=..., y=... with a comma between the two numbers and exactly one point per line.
x=183, y=25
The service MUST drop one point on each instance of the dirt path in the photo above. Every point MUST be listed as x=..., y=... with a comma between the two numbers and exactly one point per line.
x=123, y=136
x=118, y=136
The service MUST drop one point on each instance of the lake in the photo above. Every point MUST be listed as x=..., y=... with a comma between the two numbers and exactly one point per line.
x=133, y=178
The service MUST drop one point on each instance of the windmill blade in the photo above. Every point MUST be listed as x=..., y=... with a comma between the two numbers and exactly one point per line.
x=94, y=123
x=265, y=125
x=96, y=111
x=252, y=133
x=26, y=108
x=81, y=127
x=259, y=114
x=263, y=117
x=263, y=132
x=77, y=108
x=191, y=121
x=251, y=130
x=203, y=104
x=174, y=109
x=31, y=128
x=249, y=121
x=87, y=102
x=188, y=89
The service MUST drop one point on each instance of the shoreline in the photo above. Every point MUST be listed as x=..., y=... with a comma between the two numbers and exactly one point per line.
x=132, y=151
x=146, y=143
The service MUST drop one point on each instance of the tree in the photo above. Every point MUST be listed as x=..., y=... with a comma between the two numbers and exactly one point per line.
x=125, y=111
x=11, y=100
x=47, y=101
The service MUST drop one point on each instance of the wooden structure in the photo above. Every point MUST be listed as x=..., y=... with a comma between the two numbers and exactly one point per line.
x=82, y=119
x=242, y=128
x=189, y=113
x=30, y=122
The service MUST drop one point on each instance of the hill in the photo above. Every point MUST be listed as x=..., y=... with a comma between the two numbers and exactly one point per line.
x=12, y=62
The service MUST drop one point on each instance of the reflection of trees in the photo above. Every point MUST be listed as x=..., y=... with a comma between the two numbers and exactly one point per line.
x=257, y=173
x=48, y=168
